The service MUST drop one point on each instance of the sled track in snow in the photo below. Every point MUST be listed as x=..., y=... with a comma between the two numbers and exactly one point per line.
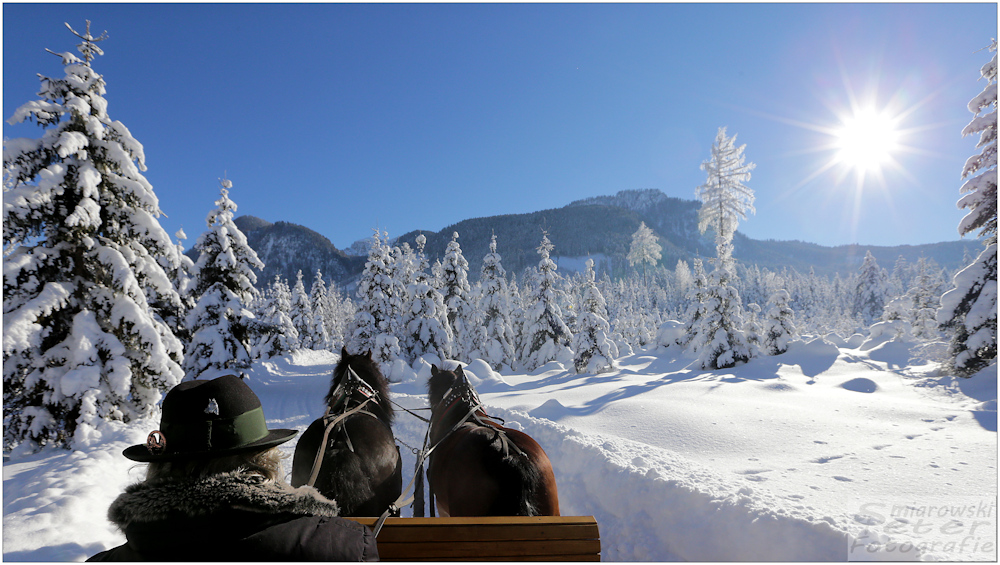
x=651, y=504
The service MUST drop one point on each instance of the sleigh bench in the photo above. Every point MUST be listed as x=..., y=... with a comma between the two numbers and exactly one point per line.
x=489, y=538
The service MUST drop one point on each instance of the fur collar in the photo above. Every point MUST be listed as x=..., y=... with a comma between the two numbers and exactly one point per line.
x=151, y=502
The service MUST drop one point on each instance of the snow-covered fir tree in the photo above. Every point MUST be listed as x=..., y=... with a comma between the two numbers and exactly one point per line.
x=494, y=303
x=181, y=276
x=970, y=309
x=546, y=335
x=277, y=333
x=376, y=324
x=779, y=325
x=695, y=308
x=752, y=328
x=719, y=338
x=980, y=171
x=341, y=314
x=458, y=298
x=223, y=282
x=402, y=272
x=322, y=314
x=645, y=248
x=426, y=316
x=595, y=352
x=84, y=285
x=516, y=318
x=302, y=313
x=870, y=292
x=924, y=297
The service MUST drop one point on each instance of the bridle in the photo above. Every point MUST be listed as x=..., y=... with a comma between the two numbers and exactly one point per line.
x=461, y=390
x=337, y=412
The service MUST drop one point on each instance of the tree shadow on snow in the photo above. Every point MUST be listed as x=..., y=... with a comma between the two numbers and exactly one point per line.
x=686, y=375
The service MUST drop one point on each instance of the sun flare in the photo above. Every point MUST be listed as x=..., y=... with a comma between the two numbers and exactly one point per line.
x=867, y=140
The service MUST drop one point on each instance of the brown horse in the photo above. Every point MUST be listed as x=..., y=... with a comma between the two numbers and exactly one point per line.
x=478, y=467
x=360, y=466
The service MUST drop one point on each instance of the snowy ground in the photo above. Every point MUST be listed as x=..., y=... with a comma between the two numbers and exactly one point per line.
x=829, y=452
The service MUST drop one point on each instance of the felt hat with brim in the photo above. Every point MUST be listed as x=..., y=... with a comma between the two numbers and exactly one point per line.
x=208, y=419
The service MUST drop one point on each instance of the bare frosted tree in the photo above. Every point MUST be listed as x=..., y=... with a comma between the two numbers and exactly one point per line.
x=725, y=199
x=644, y=249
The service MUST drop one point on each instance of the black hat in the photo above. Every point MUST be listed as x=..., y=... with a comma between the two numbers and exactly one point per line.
x=210, y=418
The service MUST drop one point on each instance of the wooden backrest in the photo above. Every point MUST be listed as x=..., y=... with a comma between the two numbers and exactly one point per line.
x=489, y=538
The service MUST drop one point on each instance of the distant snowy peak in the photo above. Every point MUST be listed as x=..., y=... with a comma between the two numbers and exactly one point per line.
x=636, y=200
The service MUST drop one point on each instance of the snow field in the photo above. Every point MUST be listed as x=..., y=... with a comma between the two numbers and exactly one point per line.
x=793, y=457
x=654, y=506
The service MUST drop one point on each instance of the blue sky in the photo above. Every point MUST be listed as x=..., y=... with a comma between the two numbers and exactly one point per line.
x=415, y=116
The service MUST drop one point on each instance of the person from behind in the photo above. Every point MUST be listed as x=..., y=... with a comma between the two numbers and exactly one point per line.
x=215, y=490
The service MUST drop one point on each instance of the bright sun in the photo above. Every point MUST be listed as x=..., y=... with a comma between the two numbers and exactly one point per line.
x=866, y=141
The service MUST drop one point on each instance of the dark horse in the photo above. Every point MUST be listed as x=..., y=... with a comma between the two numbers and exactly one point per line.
x=478, y=467
x=360, y=467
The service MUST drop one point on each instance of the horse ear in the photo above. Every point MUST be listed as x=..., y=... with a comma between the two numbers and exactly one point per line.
x=459, y=371
x=369, y=354
x=434, y=369
x=343, y=352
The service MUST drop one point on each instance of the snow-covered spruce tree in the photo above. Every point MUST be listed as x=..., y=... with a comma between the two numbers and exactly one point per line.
x=342, y=311
x=595, y=352
x=516, y=318
x=459, y=300
x=695, y=305
x=752, y=328
x=322, y=313
x=302, y=312
x=497, y=348
x=546, y=336
x=377, y=319
x=970, y=309
x=402, y=272
x=644, y=249
x=223, y=282
x=779, y=325
x=924, y=297
x=719, y=337
x=278, y=333
x=182, y=275
x=426, y=316
x=84, y=286
x=980, y=171
x=870, y=292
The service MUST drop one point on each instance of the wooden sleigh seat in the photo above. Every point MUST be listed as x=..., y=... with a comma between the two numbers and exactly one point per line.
x=489, y=538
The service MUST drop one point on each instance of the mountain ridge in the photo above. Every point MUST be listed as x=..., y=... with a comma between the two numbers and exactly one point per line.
x=600, y=226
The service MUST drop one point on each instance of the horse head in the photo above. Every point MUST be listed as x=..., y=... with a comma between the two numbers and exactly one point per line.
x=364, y=369
x=448, y=387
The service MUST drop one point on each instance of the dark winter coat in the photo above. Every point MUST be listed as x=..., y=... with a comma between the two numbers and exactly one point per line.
x=232, y=517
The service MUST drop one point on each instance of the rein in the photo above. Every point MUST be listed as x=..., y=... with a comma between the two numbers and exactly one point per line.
x=353, y=383
x=463, y=390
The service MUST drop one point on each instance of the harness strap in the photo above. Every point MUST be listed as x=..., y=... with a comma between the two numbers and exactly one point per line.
x=318, y=460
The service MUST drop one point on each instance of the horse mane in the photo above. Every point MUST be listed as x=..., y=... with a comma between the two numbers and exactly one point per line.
x=368, y=370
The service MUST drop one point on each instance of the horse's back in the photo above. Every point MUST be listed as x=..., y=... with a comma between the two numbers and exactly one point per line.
x=363, y=476
x=472, y=475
